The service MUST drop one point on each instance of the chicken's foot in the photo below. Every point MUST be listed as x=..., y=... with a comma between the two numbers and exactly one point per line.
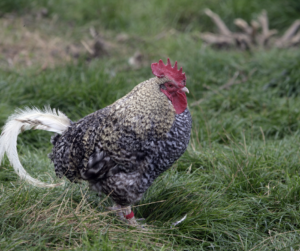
x=125, y=214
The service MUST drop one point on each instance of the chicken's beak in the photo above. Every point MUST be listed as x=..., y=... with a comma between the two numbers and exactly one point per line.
x=184, y=89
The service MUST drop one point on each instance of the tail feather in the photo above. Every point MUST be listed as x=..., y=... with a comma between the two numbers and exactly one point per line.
x=22, y=120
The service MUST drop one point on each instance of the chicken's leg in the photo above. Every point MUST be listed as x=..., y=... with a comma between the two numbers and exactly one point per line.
x=125, y=214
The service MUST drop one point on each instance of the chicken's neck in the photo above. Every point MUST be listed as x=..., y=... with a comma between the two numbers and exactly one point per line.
x=144, y=111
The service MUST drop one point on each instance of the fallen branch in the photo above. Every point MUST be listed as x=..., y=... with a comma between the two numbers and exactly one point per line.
x=250, y=36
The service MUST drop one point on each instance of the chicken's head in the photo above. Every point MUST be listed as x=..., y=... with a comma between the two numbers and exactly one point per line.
x=174, y=87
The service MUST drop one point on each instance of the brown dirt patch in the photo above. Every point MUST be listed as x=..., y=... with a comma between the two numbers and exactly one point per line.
x=22, y=45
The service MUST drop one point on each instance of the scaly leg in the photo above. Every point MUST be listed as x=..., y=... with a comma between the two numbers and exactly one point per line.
x=129, y=215
x=125, y=214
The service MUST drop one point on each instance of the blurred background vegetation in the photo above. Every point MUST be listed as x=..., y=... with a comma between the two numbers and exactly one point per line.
x=238, y=183
x=151, y=17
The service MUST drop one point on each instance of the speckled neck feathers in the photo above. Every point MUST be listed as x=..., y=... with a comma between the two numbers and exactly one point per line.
x=145, y=110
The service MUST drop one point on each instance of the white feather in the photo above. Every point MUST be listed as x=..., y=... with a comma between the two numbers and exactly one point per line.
x=22, y=120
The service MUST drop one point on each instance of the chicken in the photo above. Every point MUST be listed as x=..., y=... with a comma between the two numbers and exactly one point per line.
x=121, y=149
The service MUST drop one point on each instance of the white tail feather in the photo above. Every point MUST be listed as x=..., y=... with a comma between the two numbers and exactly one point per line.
x=22, y=120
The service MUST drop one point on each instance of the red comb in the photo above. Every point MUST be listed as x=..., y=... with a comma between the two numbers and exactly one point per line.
x=161, y=70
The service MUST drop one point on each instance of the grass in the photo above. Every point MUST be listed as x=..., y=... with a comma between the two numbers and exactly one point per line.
x=238, y=182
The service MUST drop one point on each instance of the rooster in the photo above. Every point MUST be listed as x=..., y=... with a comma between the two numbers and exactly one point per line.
x=121, y=149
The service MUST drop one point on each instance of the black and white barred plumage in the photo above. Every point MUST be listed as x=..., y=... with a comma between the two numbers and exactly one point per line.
x=125, y=177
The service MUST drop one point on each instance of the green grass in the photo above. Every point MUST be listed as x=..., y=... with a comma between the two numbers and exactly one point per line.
x=151, y=17
x=238, y=182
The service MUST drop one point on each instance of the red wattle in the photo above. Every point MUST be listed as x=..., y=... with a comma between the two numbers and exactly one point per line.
x=178, y=100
